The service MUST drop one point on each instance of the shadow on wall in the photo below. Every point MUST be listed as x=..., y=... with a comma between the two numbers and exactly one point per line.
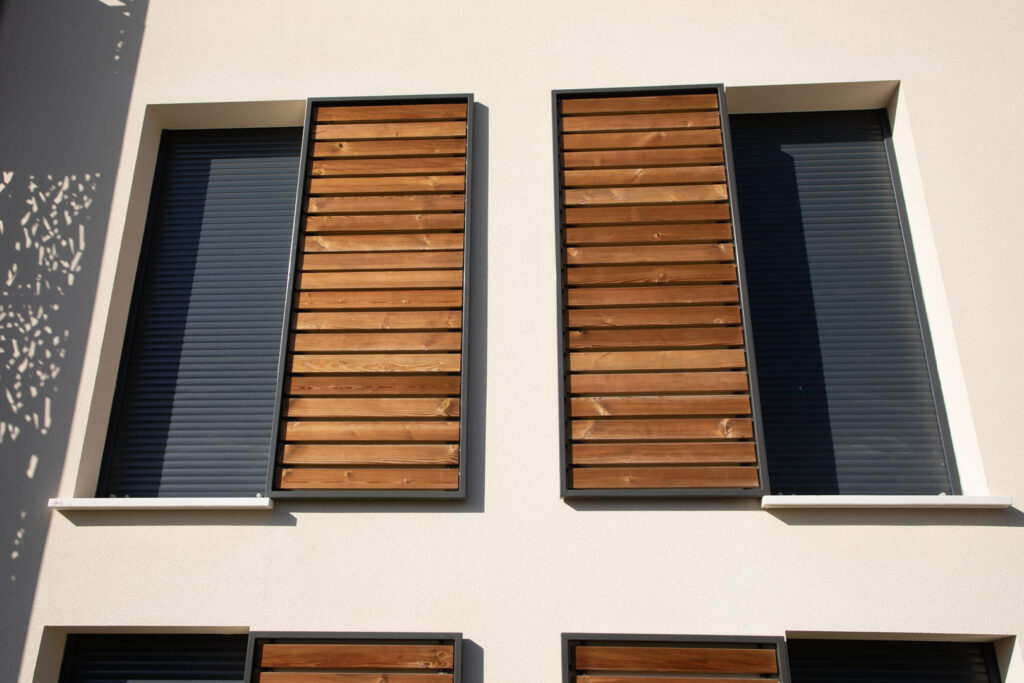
x=66, y=74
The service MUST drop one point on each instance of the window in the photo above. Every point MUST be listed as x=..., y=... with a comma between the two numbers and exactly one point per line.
x=315, y=352
x=135, y=658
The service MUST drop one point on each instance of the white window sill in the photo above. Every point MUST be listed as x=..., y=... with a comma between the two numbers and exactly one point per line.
x=72, y=504
x=887, y=502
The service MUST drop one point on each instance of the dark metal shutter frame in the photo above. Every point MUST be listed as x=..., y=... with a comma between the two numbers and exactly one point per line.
x=199, y=381
x=173, y=658
x=848, y=398
x=860, y=661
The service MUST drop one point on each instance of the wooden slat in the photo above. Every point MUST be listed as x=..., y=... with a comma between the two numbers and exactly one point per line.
x=414, y=129
x=372, y=407
x=661, y=429
x=657, y=383
x=661, y=194
x=657, y=213
x=375, y=362
x=624, y=406
x=672, y=156
x=370, y=341
x=403, y=430
x=676, y=659
x=611, y=361
x=389, y=279
x=650, y=275
x=663, y=294
x=339, y=677
x=651, y=317
x=379, y=320
x=385, y=222
x=373, y=385
x=631, y=234
x=388, y=184
x=588, y=678
x=390, y=112
x=663, y=477
x=648, y=338
x=392, y=260
x=654, y=138
x=388, y=148
x=668, y=175
x=370, y=454
x=386, y=167
x=392, y=299
x=663, y=453
x=689, y=253
x=309, y=478
x=357, y=656
x=415, y=241
x=646, y=121
x=412, y=203
x=642, y=103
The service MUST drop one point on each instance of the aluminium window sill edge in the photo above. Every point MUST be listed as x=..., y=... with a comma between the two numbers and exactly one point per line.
x=76, y=504
x=796, y=502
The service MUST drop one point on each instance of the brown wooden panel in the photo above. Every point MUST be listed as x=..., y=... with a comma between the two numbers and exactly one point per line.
x=388, y=184
x=415, y=241
x=339, y=677
x=388, y=148
x=666, y=175
x=663, y=453
x=370, y=454
x=651, y=317
x=663, y=477
x=676, y=659
x=373, y=385
x=389, y=279
x=611, y=361
x=633, y=234
x=662, y=294
x=689, y=253
x=385, y=167
x=640, y=430
x=624, y=406
x=357, y=656
x=657, y=213
x=372, y=407
x=650, y=275
x=391, y=299
x=384, y=222
x=370, y=341
x=657, y=382
x=671, y=156
x=646, y=121
x=655, y=138
x=390, y=112
x=392, y=260
x=375, y=362
x=684, y=337
x=661, y=194
x=404, y=430
x=414, y=129
x=379, y=320
x=386, y=203
x=642, y=103
x=310, y=478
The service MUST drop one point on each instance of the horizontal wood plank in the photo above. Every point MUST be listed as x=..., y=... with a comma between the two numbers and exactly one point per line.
x=725, y=477
x=655, y=138
x=653, y=317
x=372, y=407
x=357, y=656
x=390, y=112
x=661, y=429
x=370, y=454
x=611, y=361
x=658, y=234
x=378, y=320
x=375, y=362
x=640, y=103
x=414, y=241
x=388, y=279
x=310, y=478
x=392, y=260
x=605, y=384
x=361, y=204
x=629, y=406
x=371, y=341
x=373, y=385
x=412, y=129
x=632, y=158
x=388, y=184
x=656, y=213
x=622, y=255
x=385, y=222
x=651, y=338
x=383, y=300
x=660, y=194
x=660, y=294
x=649, y=275
x=401, y=430
x=666, y=175
x=736, y=452
x=357, y=149
x=388, y=167
x=676, y=659
x=645, y=121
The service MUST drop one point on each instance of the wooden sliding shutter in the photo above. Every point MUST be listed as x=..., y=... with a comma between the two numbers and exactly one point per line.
x=373, y=382
x=416, y=659
x=592, y=659
x=656, y=381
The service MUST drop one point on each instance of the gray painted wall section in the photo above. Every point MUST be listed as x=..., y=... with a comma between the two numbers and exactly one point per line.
x=66, y=74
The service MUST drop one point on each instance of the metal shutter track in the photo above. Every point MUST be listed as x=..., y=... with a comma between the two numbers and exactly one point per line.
x=846, y=395
x=839, y=661
x=144, y=658
x=197, y=408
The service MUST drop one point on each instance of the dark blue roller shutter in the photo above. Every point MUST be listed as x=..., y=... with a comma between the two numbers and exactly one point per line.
x=199, y=379
x=867, y=661
x=847, y=396
x=131, y=658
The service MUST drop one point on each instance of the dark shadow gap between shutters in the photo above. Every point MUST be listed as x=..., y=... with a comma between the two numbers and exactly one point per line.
x=145, y=658
x=197, y=387
x=867, y=661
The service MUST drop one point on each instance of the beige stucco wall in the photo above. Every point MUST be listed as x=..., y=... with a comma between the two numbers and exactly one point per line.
x=516, y=566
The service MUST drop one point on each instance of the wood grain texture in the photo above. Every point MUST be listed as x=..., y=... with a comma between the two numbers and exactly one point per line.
x=356, y=149
x=661, y=429
x=657, y=234
x=612, y=383
x=662, y=316
x=642, y=103
x=650, y=275
x=659, y=194
x=655, y=138
x=387, y=167
x=374, y=362
x=307, y=478
x=626, y=406
x=632, y=158
x=661, y=294
x=372, y=407
x=729, y=452
x=402, y=203
x=405, y=430
x=632, y=254
x=645, y=121
x=379, y=300
x=657, y=213
x=676, y=659
x=373, y=385
x=724, y=477
x=389, y=279
x=392, y=260
x=370, y=341
x=388, y=184
x=610, y=361
x=378, y=320
x=357, y=656
x=666, y=175
x=651, y=338
x=390, y=112
x=370, y=454
x=385, y=222
x=414, y=241
x=412, y=129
